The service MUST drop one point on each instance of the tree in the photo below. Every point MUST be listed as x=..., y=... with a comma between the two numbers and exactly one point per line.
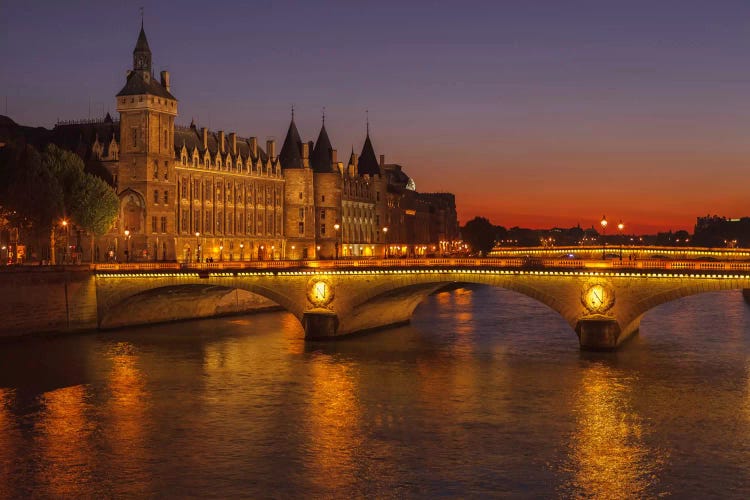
x=94, y=206
x=479, y=233
x=29, y=191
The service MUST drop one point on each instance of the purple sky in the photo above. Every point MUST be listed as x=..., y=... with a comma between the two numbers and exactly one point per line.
x=535, y=113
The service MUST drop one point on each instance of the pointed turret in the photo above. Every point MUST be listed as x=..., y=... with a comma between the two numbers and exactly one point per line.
x=142, y=53
x=322, y=156
x=290, y=156
x=368, y=163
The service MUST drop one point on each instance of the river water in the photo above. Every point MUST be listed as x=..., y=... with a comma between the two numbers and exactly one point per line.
x=484, y=394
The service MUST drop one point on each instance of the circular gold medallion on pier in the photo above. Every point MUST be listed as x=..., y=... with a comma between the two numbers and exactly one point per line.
x=598, y=298
x=320, y=291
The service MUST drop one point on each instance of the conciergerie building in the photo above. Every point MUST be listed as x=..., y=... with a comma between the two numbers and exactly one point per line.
x=190, y=194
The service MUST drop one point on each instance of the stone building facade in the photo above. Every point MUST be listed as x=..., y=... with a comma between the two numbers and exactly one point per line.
x=190, y=194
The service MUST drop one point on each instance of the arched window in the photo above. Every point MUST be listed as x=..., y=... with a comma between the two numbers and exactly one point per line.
x=156, y=169
x=166, y=139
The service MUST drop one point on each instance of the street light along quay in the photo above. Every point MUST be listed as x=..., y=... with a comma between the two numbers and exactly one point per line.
x=620, y=227
x=127, y=245
x=385, y=240
x=197, y=247
x=337, y=227
x=604, y=223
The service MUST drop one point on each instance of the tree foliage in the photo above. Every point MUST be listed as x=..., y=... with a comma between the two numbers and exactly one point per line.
x=479, y=233
x=30, y=193
x=38, y=190
x=94, y=205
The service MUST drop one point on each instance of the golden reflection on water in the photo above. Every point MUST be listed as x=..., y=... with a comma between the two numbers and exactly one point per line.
x=608, y=454
x=127, y=410
x=9, y=446
x=334, y=423
x=65, y=448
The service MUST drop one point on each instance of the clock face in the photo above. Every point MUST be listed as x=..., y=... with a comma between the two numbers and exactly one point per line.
x=321, y=293
x=598, y=298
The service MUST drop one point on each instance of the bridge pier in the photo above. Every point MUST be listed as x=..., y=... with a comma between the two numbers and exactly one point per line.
x=320, y=325
x=601, y=334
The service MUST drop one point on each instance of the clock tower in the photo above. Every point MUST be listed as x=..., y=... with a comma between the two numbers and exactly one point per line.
x=145, y=178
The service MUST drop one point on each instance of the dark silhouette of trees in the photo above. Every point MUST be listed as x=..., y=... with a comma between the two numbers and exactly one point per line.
x=479, y=234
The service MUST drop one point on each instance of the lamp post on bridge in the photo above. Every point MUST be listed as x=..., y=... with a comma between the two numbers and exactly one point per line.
x=620, y=227
x=242, y=251
x=604, y=223
x=385, y=240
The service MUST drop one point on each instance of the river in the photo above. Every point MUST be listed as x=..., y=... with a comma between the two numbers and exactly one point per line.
x=484, y=394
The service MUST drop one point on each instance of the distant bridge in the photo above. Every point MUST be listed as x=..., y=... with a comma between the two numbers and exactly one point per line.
x=602, y=300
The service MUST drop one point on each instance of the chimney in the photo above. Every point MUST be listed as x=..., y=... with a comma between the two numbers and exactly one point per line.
x=334, y=156
x=204, y=134
x=254, y=146
x=382, y=161
x=271, y=148
x=305, y=154
x=165, y=80
x=233, y=140
x=221, y=141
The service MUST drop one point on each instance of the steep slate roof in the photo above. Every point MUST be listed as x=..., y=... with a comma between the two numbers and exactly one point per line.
x=142, y=44
x=322, y=156
x=138, y=83
x=368, y=164
x=290, y=155
x=191, y=138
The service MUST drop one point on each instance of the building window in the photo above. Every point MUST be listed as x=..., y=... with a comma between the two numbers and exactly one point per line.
x=166, y=197
x=156, y=196
x=163, y=224
x=184, y=189
x=134, y=136
x=301, y=214
x=301, y=228
x=322, y=229
x=322, y=214
x=166, y=170
x=377, y=220
x=219, y=216
x=300, y=195
x=156, y=169
x=184, y=226
x=197, y=220
x=166, y=139
x=323, y=198
x=153, y=224
x=207, y=225
x=377, y=195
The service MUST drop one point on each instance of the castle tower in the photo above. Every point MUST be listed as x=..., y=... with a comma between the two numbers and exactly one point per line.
x=327, y=186
x=299, y=196
x=146, y=180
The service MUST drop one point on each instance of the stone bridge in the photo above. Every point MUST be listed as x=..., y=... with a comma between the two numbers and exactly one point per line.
x=602, y=301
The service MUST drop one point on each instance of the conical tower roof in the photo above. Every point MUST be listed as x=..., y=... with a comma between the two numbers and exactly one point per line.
x=142, y=44
x=290, y=156
x=322, y=156
x=368, y=163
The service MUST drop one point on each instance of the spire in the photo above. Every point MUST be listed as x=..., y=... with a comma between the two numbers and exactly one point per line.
x=290, y=156
x=142, y=52
x=368, y=163
x=322, y=156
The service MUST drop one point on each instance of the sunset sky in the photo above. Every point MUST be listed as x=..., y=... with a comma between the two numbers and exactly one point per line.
x=534, y=113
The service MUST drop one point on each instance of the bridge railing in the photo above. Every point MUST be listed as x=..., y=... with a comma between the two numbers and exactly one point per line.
x=521, y=263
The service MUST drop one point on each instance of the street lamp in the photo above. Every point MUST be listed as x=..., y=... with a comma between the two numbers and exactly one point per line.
x=127, y=245
x=293, y=247
x=603, y=222
x=337, y=227
x=620, y=227
x=65, y=254
x=197, y=247
x=221, y=252
x=242, y=251
x=385, y=239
